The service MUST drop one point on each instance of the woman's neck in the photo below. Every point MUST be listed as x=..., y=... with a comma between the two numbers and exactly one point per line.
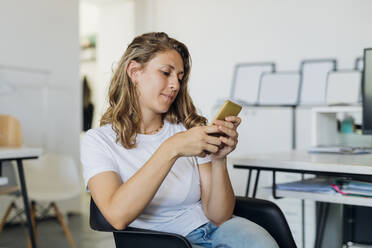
x=151, y=124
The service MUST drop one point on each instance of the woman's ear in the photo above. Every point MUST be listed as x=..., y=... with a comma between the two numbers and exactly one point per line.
x=133, y=69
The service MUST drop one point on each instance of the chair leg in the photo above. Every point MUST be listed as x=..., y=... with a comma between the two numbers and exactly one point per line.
x=29, y=242
x=64, y=226
x=6, y=215
x=33, y=219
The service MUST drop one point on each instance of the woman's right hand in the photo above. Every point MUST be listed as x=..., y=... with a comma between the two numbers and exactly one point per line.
x=196, y=141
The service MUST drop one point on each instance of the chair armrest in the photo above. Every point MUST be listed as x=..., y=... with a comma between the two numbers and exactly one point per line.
x=135, y=237
x=97, y=221
x=143, y=238
x=269, y=216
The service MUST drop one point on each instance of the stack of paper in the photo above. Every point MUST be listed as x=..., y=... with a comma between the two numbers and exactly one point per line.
x=340, y=150
x=355, y=187
x=318, y=184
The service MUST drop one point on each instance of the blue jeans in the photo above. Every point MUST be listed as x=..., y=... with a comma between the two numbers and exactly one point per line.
x=234, y=233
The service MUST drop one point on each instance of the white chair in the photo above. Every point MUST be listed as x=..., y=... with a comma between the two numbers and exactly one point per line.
x=6, y=189
x=50, y=179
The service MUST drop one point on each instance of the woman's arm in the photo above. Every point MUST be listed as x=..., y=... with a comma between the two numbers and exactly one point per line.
x=217, y=193
x=121, y=203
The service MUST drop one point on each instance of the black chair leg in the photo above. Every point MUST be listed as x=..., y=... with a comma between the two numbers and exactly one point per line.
x=256, y=184
x=248, y=183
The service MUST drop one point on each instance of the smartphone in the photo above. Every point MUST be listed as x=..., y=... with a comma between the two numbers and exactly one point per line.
x=228, y=108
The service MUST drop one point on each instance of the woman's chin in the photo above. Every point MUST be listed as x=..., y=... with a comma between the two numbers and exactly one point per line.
x=162, y=110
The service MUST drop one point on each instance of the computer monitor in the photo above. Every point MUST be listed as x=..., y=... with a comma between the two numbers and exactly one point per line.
x=367, y=91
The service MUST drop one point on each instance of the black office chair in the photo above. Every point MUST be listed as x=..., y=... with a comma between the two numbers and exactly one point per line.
x=262, y=212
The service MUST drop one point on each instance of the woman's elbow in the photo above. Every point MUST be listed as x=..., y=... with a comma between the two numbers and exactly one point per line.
x=117, y=222
x=119, y=225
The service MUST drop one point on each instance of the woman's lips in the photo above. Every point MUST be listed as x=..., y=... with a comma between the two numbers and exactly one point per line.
x=170, y=97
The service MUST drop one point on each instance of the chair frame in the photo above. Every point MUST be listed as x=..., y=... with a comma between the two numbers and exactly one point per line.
x=262, y=212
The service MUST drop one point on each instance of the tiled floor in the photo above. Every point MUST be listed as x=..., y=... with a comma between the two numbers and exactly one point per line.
x=50, y=234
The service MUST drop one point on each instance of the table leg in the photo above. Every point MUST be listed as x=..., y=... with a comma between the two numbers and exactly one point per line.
x=25, y=201
x=303, y=215
x=321, y=221
x=248, y=183
x=256, y=184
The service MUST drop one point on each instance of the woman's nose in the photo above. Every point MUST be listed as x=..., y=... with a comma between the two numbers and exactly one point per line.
x=174, y=83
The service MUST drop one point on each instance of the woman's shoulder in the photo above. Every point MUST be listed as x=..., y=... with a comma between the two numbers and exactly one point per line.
x=103, y=133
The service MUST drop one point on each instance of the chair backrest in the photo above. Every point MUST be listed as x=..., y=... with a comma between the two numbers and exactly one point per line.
x=245, y=85
x=10, y=131
x=268, y=215
x=55, y=172
x=279, y=88
x=344, y=87
x=314, y=79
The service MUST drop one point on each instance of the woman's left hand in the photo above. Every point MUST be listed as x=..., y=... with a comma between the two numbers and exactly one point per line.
x=230, y=140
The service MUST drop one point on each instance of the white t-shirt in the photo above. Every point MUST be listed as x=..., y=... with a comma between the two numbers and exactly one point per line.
x=176, y=206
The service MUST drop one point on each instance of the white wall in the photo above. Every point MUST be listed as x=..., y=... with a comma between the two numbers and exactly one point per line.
x=43, y=34
x=115, y=32
x=222, y=33
x=113, y=22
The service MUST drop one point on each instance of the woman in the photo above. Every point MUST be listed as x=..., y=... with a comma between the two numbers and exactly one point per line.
x=147, y=165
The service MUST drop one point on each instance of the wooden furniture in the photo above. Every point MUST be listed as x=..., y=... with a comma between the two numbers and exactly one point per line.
x=10, y=132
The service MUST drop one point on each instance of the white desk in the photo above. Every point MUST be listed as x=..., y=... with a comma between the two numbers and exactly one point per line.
x=313, y=163
x=15, y=153
x=301, y=160
x=18, y=154
x=353, y=166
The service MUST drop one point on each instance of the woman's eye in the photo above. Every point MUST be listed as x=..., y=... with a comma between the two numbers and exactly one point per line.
x=166, y=73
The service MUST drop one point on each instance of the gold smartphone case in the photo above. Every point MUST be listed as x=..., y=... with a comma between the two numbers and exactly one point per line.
x=228, y=108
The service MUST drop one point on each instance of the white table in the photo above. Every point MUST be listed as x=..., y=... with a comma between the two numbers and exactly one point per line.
x=353, y=166
x=19, y=154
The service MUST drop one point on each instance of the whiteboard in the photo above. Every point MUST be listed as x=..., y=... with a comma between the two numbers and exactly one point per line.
x=314, y=80
x=246, y=81
x=344, y=87
x=279, y=88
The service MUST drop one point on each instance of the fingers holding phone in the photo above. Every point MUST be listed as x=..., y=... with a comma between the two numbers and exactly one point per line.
x=196, y=141
x=219, y=138
x=228, y=132
x=227, y=122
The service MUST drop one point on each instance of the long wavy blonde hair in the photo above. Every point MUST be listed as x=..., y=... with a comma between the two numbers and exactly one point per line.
x=124, y=113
